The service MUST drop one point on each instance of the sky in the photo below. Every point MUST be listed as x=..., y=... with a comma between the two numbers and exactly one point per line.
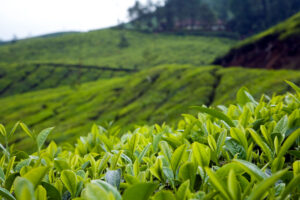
x=28, y=18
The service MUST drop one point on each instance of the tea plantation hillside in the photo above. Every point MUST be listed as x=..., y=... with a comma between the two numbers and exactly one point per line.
x=106, y=48
x=75, y=58
x=275, y=48
x=151, y=96
x=20, y=78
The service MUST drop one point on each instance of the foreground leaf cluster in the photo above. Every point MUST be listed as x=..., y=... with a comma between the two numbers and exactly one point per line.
x=245, y=151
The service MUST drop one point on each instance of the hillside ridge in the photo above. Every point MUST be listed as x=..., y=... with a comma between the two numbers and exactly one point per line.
x=276, y=48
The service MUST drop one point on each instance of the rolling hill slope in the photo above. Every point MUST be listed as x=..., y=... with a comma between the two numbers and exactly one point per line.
x=276, y=48
x=20, y=78
x=66, y=59
x=150, y=96
x=103, y=48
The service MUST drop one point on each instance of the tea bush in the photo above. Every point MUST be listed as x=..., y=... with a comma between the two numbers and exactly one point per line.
x=162, y=93
x=249, y=150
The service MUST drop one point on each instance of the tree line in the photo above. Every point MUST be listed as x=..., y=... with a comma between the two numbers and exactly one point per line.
x=245, y=17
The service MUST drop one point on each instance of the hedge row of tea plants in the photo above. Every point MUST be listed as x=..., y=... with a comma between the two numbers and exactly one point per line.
x=249, y=150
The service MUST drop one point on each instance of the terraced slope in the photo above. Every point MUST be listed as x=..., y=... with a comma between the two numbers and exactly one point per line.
x=75, y=58
x=276, y=48
x=16, y=78
x=150, y=96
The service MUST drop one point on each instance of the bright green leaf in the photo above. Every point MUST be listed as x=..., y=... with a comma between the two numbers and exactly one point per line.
x=264, y=186
x=216, y=114
x=177, y=157
x=40, y=193
x=36, y=175
x=234, y=186
x=42, y=136
x=218, y=184
x=183, y=190
x=164, y=195
x=289, y=142
x=27, y=130
x=3, y=130
x=251, y=169
x=109, y=188
x=24, y=189
x=69, y=179
x=201, y=154
x=139, y=191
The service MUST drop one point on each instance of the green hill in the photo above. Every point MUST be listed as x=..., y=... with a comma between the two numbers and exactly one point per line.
x=275, y=48
x=30, y=64
x=150, y=96
x=102, y=48
x=20, y=78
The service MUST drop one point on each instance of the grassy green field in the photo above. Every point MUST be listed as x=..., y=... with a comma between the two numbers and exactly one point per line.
x=102, y=48
x=151, y=96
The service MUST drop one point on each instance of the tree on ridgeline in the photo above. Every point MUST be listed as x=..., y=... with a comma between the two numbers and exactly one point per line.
x=123, y=43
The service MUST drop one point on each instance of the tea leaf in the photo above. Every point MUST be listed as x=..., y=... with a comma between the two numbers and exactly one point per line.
x=36, y=175
x=265, y=185
x=233, y=186
x=27, y=130
x=251, y=169
x=24, y=189
x=218, y=184
x=3, y=130
x=294, y=86
x=94, y=191
x=177, y=157
x=40, y=193
x=183, y=190
x=109, y=188
x=288, y=143
x=266, y=149
x=42, y=136
x=294, y=183
x=216, y=114
x=52, y=192
x=5, y=193
x=69, y=179
x=201, y=154
x=139, y=191
x=113, y=177
x=164, y=195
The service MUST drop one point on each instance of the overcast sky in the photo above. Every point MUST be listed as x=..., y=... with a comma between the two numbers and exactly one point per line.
x=25, y=18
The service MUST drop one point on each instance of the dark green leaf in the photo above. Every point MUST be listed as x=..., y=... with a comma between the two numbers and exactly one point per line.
x=52, y=192
x=5, y=193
